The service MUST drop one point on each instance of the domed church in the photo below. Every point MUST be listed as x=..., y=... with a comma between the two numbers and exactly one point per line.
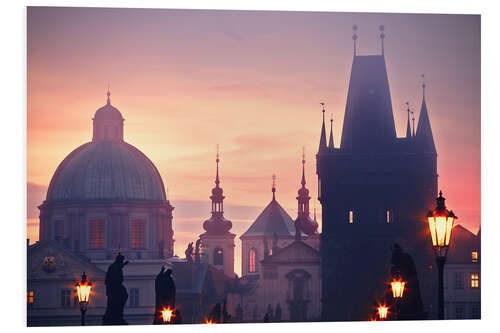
x=107, y=196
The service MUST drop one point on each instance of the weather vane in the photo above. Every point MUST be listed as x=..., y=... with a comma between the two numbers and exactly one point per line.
x=423, y=85
x=303, y=155
x=382, y=36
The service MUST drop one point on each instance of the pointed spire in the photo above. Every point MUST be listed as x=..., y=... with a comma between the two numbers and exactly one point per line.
x=382, y=36
x=424, y=132
x=354, y=37
x=303, y=182
x=330, y=143
x=413, y=121
x=408, y=127
x=217, y=172
x=274, y=187
x=322, y=139
x=109, y=94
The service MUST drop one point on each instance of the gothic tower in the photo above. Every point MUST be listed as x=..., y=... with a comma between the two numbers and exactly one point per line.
x=375, y=190
x=218, y=241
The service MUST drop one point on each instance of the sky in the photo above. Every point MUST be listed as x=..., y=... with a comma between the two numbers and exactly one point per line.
x=250, y=81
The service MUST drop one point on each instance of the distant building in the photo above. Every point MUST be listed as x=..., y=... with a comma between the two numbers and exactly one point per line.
x=281, y=265
x=462, y=276
x=107, y=197
x=375, y=189
x=218, y=241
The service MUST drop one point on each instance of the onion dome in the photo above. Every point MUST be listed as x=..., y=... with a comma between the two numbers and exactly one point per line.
x=217, y=224
x=107, y=168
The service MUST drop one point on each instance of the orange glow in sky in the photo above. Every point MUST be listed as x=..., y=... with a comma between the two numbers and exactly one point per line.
x=187, y=80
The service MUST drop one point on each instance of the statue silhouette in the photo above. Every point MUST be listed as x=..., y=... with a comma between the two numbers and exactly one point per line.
x=116, y=293
x=165, y=293
x=189, y=253
x=411, y=307
x=226, y=317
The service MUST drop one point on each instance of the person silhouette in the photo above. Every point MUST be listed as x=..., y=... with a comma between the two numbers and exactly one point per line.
x=165, y=294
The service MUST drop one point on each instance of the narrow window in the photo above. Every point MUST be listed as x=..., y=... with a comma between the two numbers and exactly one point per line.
x=475, y=256
x=97, y=234
x=351, y=216
x=474, y=280
x=134, y=297
x=138, y=234
x=476, y=311
x=218, y=257
x=388, y=216
x=30, y=297
x=251, y=262
x=66, y=298
x=459, y=311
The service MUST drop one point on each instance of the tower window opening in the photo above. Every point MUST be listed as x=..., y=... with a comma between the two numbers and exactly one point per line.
x=388, y=216
x=351, y=216
x=475, y=256
x=218, y=257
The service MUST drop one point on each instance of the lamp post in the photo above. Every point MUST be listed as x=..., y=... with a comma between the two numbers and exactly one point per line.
x=398, y=288
x=440, y=226
x=83, y=291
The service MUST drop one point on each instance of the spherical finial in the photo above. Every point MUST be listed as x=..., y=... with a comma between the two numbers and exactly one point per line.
x=354, y=27
x=381, y=28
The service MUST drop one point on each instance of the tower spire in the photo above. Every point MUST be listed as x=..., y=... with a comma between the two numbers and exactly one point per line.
x=109, y=94
x=408, y=127
x=322, y=140
x=382, y=36
x=413, y=121
x=274, y=187
x=330, y=143
x=424, y=132
x=217, y=168
x=354, y=37
x=303, y=182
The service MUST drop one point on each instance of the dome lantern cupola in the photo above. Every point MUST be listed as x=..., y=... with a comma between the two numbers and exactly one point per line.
x=108, y=123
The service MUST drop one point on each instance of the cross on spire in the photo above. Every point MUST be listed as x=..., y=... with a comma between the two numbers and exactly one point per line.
x=109, y=94
x=423, y=86
x=217, y=172
x=274, y=186
x=413, y=121
x=303, y=182
x=382, y=36
x=354, y=36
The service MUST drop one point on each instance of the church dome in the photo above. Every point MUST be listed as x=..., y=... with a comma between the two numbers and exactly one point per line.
x=106, y=170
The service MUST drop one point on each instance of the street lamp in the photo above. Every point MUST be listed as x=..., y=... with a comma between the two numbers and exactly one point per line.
x=167, y=314
x=83, y=290
x=440, y=226
x=398, y=287
x=382, y=310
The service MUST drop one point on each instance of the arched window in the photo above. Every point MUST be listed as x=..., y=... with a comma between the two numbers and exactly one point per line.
x=252, y=258
x=218, y=257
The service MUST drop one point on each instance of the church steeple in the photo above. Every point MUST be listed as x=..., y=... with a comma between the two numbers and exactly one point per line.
x=217, y=224
x=303, y=198
x=322, y=139
x=424, y=132
x=330, y=143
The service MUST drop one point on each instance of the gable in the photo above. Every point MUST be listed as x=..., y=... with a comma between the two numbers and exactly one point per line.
x=50, y=261
x=297, y=252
